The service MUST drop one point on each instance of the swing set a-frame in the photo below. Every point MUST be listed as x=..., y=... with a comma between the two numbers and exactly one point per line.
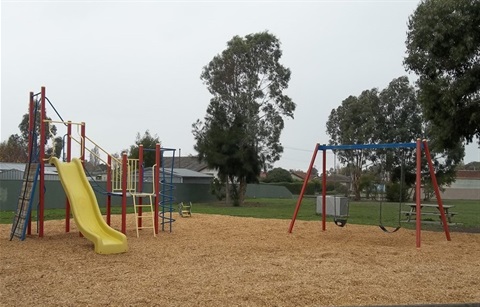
x=419, y=145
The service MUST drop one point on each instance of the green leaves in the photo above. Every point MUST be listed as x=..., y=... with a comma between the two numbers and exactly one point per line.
x=149, y=142
x=389, y=116
x=443, y=47
x=13, y=150
x=240, y=133
x=278, y=174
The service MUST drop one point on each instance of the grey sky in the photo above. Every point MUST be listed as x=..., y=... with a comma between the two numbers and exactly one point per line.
x=127, y=66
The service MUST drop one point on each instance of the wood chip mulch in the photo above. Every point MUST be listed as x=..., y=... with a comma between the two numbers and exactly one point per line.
x=213, y=260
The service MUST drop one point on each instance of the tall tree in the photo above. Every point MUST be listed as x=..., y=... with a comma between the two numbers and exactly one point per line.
x=53, y=143
x=355, y=122
x=13, y=150
x=95, y=156
x=148, y=141
x=240, y=134
x=443, y=49
x=399, y=112
x=400, y=121
x=390, y=116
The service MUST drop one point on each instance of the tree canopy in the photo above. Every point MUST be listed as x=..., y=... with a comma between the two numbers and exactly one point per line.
x=390, y=116
x=443, y=49
x=240, y=134
x=149, y=142
x=355, y=122
x=15, y=149
x=278, y=174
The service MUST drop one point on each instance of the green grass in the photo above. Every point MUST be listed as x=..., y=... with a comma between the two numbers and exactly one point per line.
x=6, y=217
x=364, y=212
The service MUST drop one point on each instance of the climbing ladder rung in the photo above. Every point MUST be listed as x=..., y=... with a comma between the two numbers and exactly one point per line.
x=144, y=216
x=148, y=215
x=24, y=205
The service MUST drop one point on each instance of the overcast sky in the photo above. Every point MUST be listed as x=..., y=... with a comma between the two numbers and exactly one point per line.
x=127, y=66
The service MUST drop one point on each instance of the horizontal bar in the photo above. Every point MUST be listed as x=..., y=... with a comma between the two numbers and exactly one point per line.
x=161, y=149
x=62, y=122
x=367, y=146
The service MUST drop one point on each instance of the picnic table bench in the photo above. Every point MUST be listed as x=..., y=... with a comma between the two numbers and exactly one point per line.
x=412, y=213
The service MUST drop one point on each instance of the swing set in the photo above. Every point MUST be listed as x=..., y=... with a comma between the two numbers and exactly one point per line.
x=419, y=146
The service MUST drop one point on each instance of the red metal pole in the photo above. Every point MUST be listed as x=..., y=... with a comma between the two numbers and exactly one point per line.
x=109, y=188
x=418, y=191
x=31, y=127
x=140, y=183
x=324, y=191
x=69, y=158
x=124, y=192
x=157, y=184
x=41, y=206
x=437, y=190
x=300, y=197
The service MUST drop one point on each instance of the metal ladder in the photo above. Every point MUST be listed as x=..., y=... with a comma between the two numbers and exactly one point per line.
x=25, y=200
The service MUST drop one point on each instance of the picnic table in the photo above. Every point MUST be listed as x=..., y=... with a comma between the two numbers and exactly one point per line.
x=430, y=210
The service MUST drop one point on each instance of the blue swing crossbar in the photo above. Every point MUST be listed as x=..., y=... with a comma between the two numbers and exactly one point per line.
x=367, y=146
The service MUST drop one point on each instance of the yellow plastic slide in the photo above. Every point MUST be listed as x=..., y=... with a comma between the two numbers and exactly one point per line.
x=86, y=212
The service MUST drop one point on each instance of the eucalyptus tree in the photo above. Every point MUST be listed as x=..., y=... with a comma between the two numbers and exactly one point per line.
x=401, y=121
x=389, y=116
x=13, y=150
x=54, y=144
x=443, y=49
x=240, y=134
x=355, y=121
x=392, y=115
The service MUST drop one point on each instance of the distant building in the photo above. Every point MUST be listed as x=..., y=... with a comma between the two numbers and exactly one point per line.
x=300, y=175
x=179, y=175
x=14, y=171
x=466, y=186
x=189, y=162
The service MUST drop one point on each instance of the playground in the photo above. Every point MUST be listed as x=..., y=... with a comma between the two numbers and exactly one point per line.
x=213, y=260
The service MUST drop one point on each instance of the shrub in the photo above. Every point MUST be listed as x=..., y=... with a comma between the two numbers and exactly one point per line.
x=393, y=192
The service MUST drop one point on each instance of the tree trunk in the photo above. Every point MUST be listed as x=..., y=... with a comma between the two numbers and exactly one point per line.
x=242, y=190
x=234, y=192
x=227, y=191
x=356, y=186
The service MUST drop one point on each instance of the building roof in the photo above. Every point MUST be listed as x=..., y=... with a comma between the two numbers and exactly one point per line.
x=179, y=172
x=190, y=162
x=467, y=174
x=338, y=178
x=183, y=172
x=9, y=166
x=301, y=175
x=298, y=174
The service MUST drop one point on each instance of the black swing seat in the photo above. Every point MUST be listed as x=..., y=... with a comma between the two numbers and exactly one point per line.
x=387, y=231
x=340, y=222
